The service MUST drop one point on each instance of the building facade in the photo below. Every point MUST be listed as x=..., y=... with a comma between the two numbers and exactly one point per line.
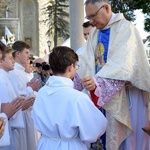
x=29, y=27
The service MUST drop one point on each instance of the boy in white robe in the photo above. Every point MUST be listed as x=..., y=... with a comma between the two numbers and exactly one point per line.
x=4, y=134
x=23, y=87
x=12, y=108
x=66, y=118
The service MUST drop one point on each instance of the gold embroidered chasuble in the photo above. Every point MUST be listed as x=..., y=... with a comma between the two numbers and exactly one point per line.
x=126, y=60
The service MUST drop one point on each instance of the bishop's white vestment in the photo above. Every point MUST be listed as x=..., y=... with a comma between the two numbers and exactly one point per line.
x=127, y=111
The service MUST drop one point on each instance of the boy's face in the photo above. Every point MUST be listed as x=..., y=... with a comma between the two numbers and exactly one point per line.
x=86, y=32
x=29, y=67
x=73, y=70
x=0, y=54
x=8, y=63
x=23, y=56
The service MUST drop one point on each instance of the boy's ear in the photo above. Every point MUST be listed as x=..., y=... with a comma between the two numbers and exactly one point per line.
x=69, y=68
x=17, y=53
x=1, y=61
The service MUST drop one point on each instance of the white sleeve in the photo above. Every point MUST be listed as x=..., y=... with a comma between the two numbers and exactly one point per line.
x=19, y=82
x=4, y=94
x=5, y=139
x=30, y=91
x=91, y=122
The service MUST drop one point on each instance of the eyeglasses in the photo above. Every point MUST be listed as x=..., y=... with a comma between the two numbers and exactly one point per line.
x=31, y=62
x=77, y=66
x=39, y=65
x=94, y=15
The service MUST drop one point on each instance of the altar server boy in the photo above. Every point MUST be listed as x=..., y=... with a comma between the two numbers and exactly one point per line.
x=10, y=103
x=66, y=118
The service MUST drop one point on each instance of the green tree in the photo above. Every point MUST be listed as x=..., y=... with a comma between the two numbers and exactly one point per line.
x=57, y=19
x=127, y=7
x=123, y=6
x=144, y=5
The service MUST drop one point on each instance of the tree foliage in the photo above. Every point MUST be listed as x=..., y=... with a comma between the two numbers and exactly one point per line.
x=144, y=5
x=127, y=7
x=57, y=19
x=124, y=7
x=57, y=15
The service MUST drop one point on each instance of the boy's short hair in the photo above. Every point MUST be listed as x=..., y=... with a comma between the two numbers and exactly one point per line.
x=87, y=24
x=19, y=46
x=62, y=57
x=2, y=46
x=7, y=50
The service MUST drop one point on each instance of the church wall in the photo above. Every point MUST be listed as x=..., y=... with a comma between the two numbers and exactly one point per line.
x=32, y=29
x=2, y=8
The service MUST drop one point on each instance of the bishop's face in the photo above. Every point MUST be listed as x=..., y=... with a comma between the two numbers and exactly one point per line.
x=98, y=15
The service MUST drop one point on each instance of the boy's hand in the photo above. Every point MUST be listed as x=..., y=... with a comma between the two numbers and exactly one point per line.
x=27, y=103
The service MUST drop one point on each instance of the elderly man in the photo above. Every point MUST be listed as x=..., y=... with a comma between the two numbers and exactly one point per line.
x=42, y=71
x=117, y=76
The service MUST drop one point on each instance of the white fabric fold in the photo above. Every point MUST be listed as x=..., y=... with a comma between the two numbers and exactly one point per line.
x=5, y=139
x=7, y=95
x=55, y=84
x=121, y=59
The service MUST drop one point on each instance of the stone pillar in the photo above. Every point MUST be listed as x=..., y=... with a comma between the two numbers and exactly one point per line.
x=43, y=28
x=76, y=21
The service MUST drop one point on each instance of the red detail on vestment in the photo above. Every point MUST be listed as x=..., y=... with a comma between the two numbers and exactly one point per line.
x=94, y=97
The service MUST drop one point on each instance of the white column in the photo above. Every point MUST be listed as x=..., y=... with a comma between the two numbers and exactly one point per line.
x=76, y=21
